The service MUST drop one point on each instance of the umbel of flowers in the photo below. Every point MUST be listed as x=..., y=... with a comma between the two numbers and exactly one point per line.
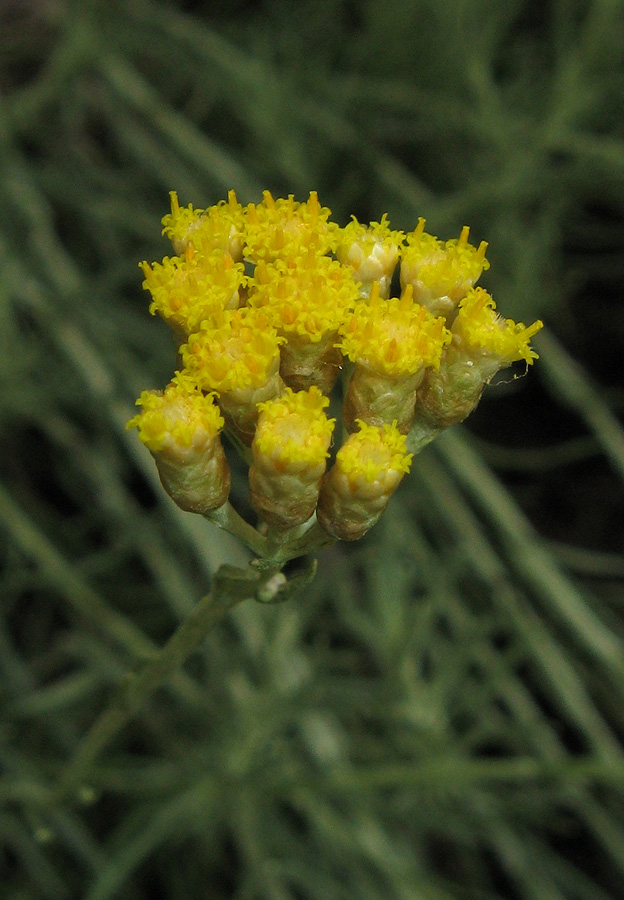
x=280, y=314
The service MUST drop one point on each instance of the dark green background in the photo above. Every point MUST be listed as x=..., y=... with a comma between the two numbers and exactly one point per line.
x=440, y=716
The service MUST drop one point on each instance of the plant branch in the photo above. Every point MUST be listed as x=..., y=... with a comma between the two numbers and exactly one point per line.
x=230, y=587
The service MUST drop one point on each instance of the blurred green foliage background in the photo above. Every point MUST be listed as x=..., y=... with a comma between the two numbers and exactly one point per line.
x=440, y=715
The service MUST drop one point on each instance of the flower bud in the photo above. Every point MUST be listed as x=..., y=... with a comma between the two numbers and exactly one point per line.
x=290, y=450
x=187, y=290
x=371, y=251
x=391, y=342
x=180, y=427
x=357, y=488
x=276, y=229
x=482, y=344
x=306, y=297
x=217, y=228
x=236, y=353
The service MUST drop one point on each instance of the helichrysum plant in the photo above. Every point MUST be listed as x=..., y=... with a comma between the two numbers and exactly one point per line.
x=279, y=315
x=294, y=353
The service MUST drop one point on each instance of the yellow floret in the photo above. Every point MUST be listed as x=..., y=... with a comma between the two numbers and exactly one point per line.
x=294, y=428
x=277, y=227
x=306, y=294
x=186, y=290
x=180, y=417
x=180, y=222
x=440, y=268
x=372, y=452
x=479, y=326
x=233, y=350
x=393, y=337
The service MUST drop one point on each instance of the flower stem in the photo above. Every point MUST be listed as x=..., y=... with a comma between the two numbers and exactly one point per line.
x=229, y=520
x=230, y=587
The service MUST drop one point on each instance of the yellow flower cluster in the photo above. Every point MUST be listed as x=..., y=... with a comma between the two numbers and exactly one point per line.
x=368, y=456
x=294, y=292
x=368, y=469
x=218, y=228
x=269, y=303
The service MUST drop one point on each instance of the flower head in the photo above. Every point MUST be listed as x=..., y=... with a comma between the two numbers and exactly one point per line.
x=232, y=350
x=306, y=295
x=393, y=337
x=178, y=421
x=293, y=430
x=181, y=428
x=186, y=290
x=441, y=273
x=179, y=224
x=482, y=344
x=275, y=228
x=480, y=330
x=368, y=468
x=371, y=251
x=217, y=228
x=373, y=458
x=290, y=450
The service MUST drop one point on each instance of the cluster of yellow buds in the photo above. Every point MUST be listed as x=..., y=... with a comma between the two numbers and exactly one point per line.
x=279, y=315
